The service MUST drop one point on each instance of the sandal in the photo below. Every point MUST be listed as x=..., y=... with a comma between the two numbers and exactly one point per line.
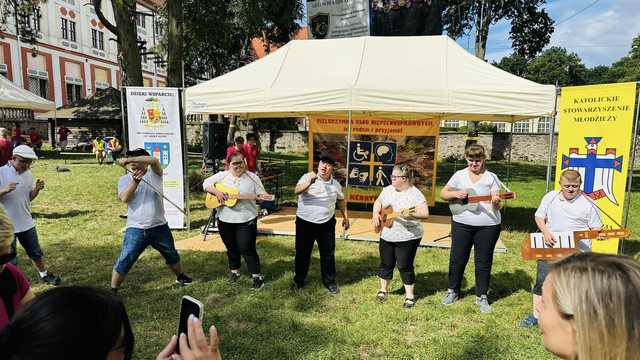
x=408, y=303
x=381, y=295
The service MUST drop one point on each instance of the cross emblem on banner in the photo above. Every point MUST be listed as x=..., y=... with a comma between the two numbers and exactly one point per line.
x=597, y=170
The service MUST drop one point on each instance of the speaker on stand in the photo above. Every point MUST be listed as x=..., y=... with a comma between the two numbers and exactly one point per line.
x=214, y=143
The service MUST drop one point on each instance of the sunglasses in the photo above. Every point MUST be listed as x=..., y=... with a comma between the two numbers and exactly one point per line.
x=237, y=163
x=7, y=258
x=393, y=177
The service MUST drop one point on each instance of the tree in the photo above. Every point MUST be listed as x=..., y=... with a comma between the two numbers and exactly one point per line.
x=556, y=64
x=127, y=38
x=175, y=42
x=628, y=67
x=24, y=13
x=531, y=26
x=597, y=75
x=514, y=63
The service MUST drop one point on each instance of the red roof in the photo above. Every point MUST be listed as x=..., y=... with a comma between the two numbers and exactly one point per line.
x=258, y=45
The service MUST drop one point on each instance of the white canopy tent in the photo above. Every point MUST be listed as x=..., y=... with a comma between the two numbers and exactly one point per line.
x=15, y=97
x=392, y=77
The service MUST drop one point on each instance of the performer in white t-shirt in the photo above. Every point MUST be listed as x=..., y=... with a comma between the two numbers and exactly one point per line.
x=567, y=209
x=318, y=195
x=238, y=224
x=479, y=229
x=17, y=191
x=399, y=243
x=146, y=224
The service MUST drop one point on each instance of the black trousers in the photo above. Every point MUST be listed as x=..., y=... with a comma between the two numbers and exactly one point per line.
x=483, y=239
x=307, y=233
x=542, y=269
x=240, y=240
x=398, y=253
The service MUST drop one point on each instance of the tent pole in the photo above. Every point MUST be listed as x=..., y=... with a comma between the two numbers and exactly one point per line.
x=552, y=129
x=631, y=166
x=346, y=201
x=509, y=162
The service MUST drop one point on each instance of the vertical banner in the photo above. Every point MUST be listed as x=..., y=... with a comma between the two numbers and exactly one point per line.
x=595, y=138
x=153, y=121
x=330, y=19
x=376, y=146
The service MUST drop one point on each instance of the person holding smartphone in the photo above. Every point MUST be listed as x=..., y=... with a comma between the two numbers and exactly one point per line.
x=318, y=195
x=146, y=224
x=238, y=225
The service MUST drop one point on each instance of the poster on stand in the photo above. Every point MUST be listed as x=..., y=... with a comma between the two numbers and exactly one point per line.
x=594, y=138
x=376, y=146
x=154, y=124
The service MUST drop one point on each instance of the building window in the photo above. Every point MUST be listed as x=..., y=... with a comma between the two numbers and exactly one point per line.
x=64, y=27
x=97, y=39
x=35, y=20
x=501, y=127
x=451, y=123
x=140, y=20
x=521, y=126
x=74, y=92
x=72, y=31
x=38, y=86
x=544, y=125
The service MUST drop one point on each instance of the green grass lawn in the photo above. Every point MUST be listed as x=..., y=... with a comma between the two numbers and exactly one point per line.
x=79, y=228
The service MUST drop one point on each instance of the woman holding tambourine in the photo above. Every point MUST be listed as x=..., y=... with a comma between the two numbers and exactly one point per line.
x=478, y=228
x=399, y=242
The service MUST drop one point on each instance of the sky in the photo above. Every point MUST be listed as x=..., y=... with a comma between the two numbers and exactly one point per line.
x=599, y=31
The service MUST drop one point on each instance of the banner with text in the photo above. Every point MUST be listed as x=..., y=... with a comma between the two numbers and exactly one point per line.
x=595, y=138
x=153, y=121
x=329, y=19
x=376, y=146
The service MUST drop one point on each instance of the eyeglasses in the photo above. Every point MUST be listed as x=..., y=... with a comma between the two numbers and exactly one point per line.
x=394, y=177
x=24, y=161
x=237, y=163
x=475, y=160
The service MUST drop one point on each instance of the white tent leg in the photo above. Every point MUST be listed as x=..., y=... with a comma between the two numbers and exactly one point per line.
x=631, y=165
x=346, y=200
x=552, y=129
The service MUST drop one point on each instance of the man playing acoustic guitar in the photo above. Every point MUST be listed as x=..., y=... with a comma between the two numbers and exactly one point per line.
x=238, y=224
x=318, y=195
x=561, y=211
x=399, y=243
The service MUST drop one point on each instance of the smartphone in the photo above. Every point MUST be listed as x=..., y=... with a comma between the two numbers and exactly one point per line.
x=188, y=306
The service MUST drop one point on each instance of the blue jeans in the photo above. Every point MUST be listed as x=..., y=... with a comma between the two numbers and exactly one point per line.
x=136, y=240
x=29, y=241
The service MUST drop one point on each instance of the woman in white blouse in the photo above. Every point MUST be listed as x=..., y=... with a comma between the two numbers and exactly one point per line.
x=238, y=224
x=399, y=243
x=479, y=228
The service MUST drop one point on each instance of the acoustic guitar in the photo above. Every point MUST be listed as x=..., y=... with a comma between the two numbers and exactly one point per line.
x=534, y=247
x=472, y=201
x=233, y=195
x=387, y=215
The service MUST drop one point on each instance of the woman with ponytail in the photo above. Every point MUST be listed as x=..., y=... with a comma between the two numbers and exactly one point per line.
x=14, y=287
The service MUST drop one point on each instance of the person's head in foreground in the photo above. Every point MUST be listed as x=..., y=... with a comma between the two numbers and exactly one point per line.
x=236, y=164
x=134, y=164
x=570, y=181
x=23, y=157
x=591, y=308
x=69, y=323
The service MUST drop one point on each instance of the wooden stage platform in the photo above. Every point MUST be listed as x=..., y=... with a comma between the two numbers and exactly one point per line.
x=282, y=222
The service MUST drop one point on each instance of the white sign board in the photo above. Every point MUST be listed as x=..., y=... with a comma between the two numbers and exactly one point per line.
x=153, y=121
x=330, y=19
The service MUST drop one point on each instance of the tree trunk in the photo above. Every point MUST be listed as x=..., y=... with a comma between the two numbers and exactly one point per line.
x=483, y=21
x=127, y=35
x=233, y=120
x=175, y=43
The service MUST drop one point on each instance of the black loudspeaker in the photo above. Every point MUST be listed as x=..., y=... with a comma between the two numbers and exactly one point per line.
x=214, y=140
